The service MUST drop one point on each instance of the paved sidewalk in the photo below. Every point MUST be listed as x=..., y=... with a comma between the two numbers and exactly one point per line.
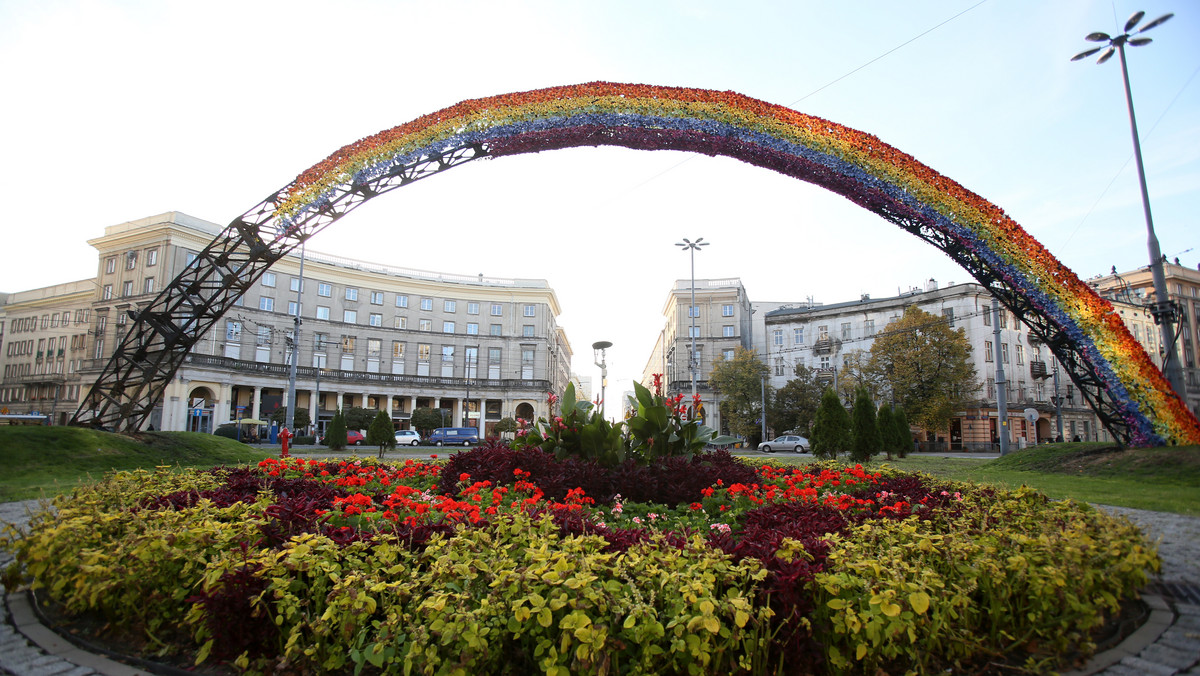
x=1168, y=644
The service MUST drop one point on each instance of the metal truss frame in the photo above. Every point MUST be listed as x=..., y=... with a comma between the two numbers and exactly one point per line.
x=1091, y=388
x=133, y=381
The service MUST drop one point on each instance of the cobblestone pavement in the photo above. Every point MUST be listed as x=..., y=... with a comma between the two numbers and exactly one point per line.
x=1168, y=644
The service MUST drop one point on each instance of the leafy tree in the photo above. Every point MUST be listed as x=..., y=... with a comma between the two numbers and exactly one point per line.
x=739, y=381
x=426, y=419
x=794, y=405
x=902, y=431
x=335, y=435
x=855, y=373
x=831, y=429
x=887, y=430
x=359, y=418
x=866, y=441
x=927, y=367
x=381, y=432
x=302, y=418
x=506, y=425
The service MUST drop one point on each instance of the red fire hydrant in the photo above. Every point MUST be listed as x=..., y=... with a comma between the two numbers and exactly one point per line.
x=284, y=436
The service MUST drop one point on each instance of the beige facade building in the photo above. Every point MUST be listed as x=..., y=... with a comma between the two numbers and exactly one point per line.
x=1132, y=293
x=722, y=320
x=372, y=335
x=827, y=337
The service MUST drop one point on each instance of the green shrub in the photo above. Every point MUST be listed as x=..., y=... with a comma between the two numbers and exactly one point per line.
x=227, y=431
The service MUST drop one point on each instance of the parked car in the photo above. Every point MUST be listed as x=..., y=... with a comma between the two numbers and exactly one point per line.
x=408, y=438
x=454, y=436
x=789, y=442
x=353, y=438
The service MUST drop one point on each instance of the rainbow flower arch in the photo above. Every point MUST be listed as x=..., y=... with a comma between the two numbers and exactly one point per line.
x=1112, y=369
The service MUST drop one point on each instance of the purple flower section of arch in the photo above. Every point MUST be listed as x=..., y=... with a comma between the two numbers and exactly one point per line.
x=649, y=132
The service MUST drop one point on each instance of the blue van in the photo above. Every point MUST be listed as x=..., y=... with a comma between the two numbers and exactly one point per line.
x=453, y=436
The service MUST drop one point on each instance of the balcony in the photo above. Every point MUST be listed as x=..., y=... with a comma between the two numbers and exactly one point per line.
x=1037, y=369
x=826, y=346
x=825, y=375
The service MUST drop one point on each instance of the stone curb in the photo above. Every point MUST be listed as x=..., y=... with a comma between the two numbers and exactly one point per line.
x=25, y=618
x=1159, y=621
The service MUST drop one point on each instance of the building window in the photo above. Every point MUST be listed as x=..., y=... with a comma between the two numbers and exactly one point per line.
x=148, y=285
x=449, y=306
x=726, y=310
x=727, y=331
x=527, y=331
x=472, y=308
x=374, y=348
x=693, y=332
x=425, y=325
x=349, y=343
x=693, y=311
x=397, y=350
x=268, y=279
x=447, y=361
x=869, y=327
x=320, y=341
x=1003, y=319
x=110, y=266
x=323, y=312
x=130, y=260
x=1020, y=355
x=987, y=317
x=266, y=303
x=1003, y=353
x=293, y=308
x=494, y=362
x=497, y=309
x=401, y=322
x=423, y=360
x=527, y=357
x=151, y=257
x=529, y=310
x=822, y=333
x=350, y=316
x=987, y=350
x=948, y=313
x=189, y=258
x=375, y=319
x=798, y=336
x=401, y=301
x=294, y=284
x=376, y=298
x=472, y=328
x=779, y=368
x=777, y=336
x=107, y=294
x=727, y=354
x=426, y=303
x=447, y=327
x=324, y=289
x=351, y=293
x=126, y=289
x=845, y=330
x=495, y=330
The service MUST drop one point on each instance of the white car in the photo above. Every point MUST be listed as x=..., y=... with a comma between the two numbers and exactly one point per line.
x=408, y=438
x=785, y=443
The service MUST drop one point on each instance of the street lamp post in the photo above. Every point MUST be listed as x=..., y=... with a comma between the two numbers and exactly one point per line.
x=290, y=423
x=1163, y=310
x=600, y=346
x=692, y=248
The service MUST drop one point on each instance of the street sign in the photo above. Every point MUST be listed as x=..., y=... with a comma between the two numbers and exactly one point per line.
x=1032, y=415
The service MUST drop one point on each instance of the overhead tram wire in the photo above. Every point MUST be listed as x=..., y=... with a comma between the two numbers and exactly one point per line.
x=832, y=82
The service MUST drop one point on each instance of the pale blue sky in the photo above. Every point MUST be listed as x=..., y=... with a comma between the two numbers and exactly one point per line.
x=119, y=110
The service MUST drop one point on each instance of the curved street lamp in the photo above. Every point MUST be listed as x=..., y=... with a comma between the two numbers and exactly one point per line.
x=1163, y=310
x=693, y=247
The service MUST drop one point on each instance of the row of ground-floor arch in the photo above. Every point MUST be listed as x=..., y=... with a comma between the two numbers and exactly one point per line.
x=201, y=399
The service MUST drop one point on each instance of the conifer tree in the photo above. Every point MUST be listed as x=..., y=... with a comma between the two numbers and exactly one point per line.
x=381, y=433
x=904, y=441
x=887, y=430
x=335, y=436
x=831, y=430
x=866, y=440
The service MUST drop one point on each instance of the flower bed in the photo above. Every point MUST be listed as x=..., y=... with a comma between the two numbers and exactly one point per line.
x=513, y=561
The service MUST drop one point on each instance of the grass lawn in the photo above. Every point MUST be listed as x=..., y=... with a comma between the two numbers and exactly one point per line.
x=46, y=461
x=1158, y=479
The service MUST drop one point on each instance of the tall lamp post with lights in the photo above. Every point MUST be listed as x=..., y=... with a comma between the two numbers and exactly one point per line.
x=598, y=355
x=692, y=247
x=1163, y=310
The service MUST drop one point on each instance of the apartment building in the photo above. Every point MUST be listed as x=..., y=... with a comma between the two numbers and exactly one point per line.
x=719, y=321
x=825, y=337
x=376, y=336
x=1132, y=293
